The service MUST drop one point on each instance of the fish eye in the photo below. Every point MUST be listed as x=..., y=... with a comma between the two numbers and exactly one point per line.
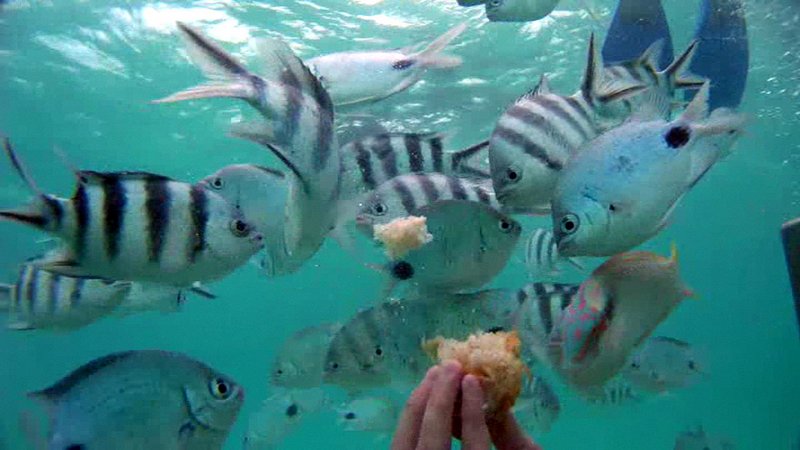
x=569, y=224
x=512, y=174
x=217, y=183
x=239, y=228
x=220, y=388
x=612, y=207
x=496, y=2
x=379, y=209
x=692, y=366
x=378, y=351
x=334, y=366
x=504, y=225
x=635, y=365
x=677, y=136
x=292, y=410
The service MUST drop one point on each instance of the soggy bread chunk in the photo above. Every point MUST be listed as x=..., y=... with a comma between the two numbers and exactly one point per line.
x=402, y=235
x=493, y=358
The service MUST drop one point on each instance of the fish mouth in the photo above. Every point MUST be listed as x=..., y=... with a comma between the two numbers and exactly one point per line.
x=363, y=219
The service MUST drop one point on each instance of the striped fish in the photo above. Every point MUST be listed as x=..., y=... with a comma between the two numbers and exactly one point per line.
x=297, y=126
x=261, y=194
x=538, y=405
x=537, y=135
x=138, y=226
x=541, y=308
x=661, y=84
x=541, y=255
x=371, y=161
x=44, y=300
x=405, y=195
x=616, y=392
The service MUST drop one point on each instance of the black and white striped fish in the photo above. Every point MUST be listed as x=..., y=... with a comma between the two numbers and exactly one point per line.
x=371, y=161
x=541, y=308
x=541, y=255
x=616, y=392
x=404, y=195
x=138, y=226
x=44, y=300
x=297, y=126
x=538, y=405
x=537, y=135
x=661, y=85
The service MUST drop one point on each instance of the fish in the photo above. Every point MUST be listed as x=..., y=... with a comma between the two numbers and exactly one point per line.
x=163, y=298
x=541, y=255
x=297, y=127
x=44, y=300
x=519, y=10
x=300, y=360
x=366, y=76
x=405, y=195
x=541, y=307
x=471, y=244
x=260, y=193
x=137, y=226
x=538, y=406
x=374, y=414
x=635, y=26
x=280, y=414
x=698, y=439
x=141, y=399
x=382, y=345
x=536, y=136
x=663, y=364
x=724, y=54
x=616, y=392
x=625, y=186
x=373, y=160
x=617, y=308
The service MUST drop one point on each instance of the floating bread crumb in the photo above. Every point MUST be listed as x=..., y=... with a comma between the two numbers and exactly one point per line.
x=402, y=235
x=492, y=357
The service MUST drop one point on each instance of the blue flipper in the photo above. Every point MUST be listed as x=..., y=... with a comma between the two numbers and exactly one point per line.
x=723, y=54
x=635, y=26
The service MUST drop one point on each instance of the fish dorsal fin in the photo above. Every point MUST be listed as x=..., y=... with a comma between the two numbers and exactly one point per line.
x=282, y=65
x=651, y=56
x=64, y=385
x=213, y=61
x=594, y=88
x=593, y=72
x=19, y=167
x=91, y=177
x=678, y=75
x=542, y=88
x=698, y=107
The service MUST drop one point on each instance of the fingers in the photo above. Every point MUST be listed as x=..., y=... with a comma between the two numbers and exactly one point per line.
x=474, y=432
x=438, y=420
x=407, y=432
x=507, y=435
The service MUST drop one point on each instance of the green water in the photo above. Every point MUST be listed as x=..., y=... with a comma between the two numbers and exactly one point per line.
x=80, y=74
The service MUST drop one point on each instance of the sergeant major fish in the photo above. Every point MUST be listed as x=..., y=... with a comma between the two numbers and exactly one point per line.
x=297, y=127
x=541, y=255
x=538, y=405
x=44, y=300
x=541, y=307
x=138, y=226
x=279, y=415
x=360, y=76
x=141, y=399
x=624, y=187
x=301, y=358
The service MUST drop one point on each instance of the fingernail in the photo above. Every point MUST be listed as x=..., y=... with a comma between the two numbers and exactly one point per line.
x=452, y=368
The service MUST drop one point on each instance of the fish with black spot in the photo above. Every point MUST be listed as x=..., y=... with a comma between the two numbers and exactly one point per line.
x=137, y=226
x=280, y=414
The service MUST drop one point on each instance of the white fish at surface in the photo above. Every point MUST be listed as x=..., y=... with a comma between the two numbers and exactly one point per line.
x=137, y=226
x=537, y=405
x=698, y=439
x=519, y=10
x=361, y=76
x=541, y=255
x=623, y=188
x=301, y=358
x=279, y=415
x=44, y=300
x=375, y=414
x=663, y=364
x=297, y=126
x=141, y=399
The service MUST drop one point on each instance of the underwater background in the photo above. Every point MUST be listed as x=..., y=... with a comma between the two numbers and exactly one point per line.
x=79, y=75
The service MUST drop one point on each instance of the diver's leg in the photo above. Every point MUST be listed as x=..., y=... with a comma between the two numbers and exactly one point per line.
x=635, y=26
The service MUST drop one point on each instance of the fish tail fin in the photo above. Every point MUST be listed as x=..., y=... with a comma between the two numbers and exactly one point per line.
x=677, y=74
x=432, y=56
x=472, y=161
x=5, y=296
x=228, y=77
x=594, y=87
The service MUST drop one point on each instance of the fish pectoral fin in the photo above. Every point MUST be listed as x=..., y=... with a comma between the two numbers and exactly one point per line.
x=20, y=326
x=198, y=289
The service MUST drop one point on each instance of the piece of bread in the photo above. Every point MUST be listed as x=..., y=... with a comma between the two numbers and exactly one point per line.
x=402, y=235
x=493, y=358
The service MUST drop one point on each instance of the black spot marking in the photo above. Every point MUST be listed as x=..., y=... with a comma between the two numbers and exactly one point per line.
x=403, y=64
x=75, y=447
x=496, y=329
x=402, y=270
x=677, y=137
x=350, y=416
x=291, y=411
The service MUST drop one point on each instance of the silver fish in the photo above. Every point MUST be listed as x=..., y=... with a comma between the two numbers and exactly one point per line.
x=44, y=300
x=405, y=195
x=373, y=160
x=260, y=193
x=280, y=414
x=297, y=126
x=141, y=399
x=146, y=297
x=361, y=76
x=374, y=414
x=381, y=345
x=138, y=226
x=537, y=405
x=471, y=244
x=624, y=187
x=519, y=10
x=663, y=364
x=301, y=359
x=616, y=392
x=541, y=131
x=698, y=439
x=541, y=255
